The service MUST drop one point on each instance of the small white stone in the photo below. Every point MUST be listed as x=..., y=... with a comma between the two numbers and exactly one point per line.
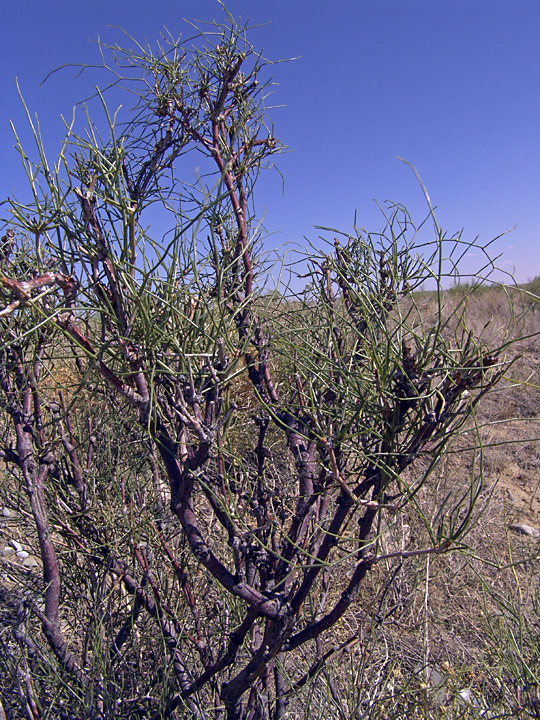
x=8, y=550
x=525, y=529
x=22, y=554
x=16, y=545
x=6, y=512
x=467, y=695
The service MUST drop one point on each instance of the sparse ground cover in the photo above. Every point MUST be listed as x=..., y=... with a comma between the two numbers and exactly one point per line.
x=452, y=635
x=464, y=639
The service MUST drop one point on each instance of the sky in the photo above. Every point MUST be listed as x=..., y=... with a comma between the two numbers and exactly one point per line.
x=452, y=86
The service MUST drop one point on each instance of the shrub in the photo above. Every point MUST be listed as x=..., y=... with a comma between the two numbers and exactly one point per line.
x=207, y=473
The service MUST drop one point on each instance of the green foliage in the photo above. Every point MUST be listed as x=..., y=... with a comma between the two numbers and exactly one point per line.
x=532, y=289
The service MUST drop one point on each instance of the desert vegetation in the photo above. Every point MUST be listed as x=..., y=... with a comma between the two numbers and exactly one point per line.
x=223, y=498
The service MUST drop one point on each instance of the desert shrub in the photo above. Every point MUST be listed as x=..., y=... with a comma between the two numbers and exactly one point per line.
x=533, y=288
x=217, y=485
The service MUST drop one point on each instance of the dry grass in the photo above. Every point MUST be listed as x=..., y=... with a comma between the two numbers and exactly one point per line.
x=455, y=619
x=443, y=624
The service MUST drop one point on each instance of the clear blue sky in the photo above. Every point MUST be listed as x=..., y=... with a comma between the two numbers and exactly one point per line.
x=453, y=86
